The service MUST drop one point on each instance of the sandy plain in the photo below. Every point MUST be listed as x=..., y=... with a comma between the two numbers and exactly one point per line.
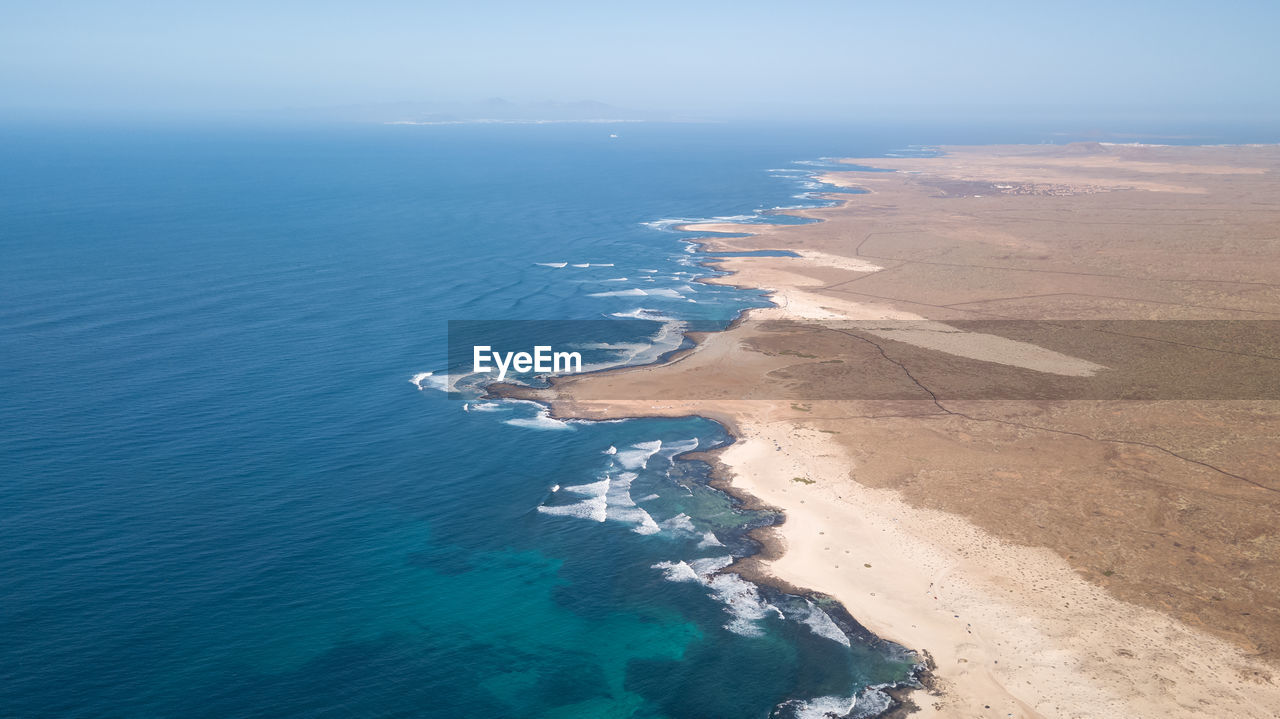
x=1021, y=408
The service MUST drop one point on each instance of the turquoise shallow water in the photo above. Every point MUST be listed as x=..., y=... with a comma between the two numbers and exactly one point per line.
x=223, y=496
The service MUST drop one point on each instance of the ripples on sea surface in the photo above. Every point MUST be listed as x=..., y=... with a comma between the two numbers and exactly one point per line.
x=223, y=497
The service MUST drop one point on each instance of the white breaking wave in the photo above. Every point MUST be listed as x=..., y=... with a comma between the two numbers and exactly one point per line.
x=710, y=540
x=667, y=224
x=823, y=625
x=606, y=500
x=539, y=422
x=671, y=449
x=677, y=571
x=680, y=523
x=641, y=313
x=595, y=507
x=423, y=380
x=615, y=346
x=542, y=420
x=873, y=701
x=611, y=450
x=664, y=292
x=707, y=566
x=622, y=508
x=638, y=455
x=822, y=707
x=637, y=292
x=634, y=292
x=595, y=489
x=668, y=336
x=557, y=265
x=697, y=570
x=741, y=598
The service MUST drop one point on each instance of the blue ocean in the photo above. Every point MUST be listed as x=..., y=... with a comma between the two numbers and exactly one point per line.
x=230, y=489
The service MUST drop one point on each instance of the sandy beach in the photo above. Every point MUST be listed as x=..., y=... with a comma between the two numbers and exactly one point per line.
x=1085, y=554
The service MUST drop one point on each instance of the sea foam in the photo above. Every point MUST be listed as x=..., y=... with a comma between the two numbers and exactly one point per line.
x=638, y=455
x=821, y=623
x=608, y=499
x=541, y=420
x=741, y=598
x=430, y=380
x=709, y=539
x=680, y=523
x=873, y=701
x=622, y=508
x=634, y=292
x=594, y=507
x=671, y=449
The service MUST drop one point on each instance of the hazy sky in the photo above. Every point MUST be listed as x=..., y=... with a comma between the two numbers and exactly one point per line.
x=718, y=59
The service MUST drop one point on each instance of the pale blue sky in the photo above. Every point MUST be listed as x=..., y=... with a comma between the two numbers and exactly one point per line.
x=716, y=59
